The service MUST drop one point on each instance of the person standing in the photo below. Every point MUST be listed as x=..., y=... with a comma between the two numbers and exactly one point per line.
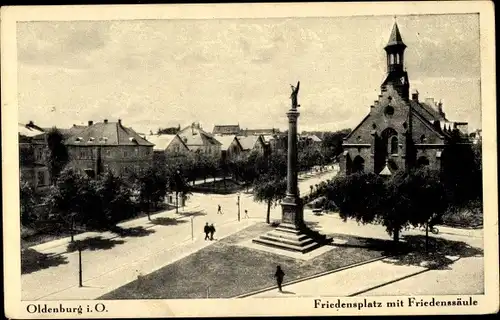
x=219, y=209
x=279, y=275
x=206, y=229
x=246, y=214
x=212, y=231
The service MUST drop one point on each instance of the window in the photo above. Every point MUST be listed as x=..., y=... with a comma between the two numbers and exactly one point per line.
x=40, y=178
x=389, y=111
x=82, y=154
x=125, y=153
x=136, y=151
x=108, y=153
x=394, y=145
x=423, y=139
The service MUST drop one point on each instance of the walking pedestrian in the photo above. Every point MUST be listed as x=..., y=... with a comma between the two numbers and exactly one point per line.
x=212, y=231
x=206, y=229
x=219, y=209
x=279, y=275
x=246, y=214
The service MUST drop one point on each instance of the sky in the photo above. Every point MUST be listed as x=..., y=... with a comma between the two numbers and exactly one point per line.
x=161, y=73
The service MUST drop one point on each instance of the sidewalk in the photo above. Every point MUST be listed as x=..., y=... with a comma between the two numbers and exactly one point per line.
x=126, y=262
x=59, y=246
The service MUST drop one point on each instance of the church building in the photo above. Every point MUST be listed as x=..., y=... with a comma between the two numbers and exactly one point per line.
x=400, y=131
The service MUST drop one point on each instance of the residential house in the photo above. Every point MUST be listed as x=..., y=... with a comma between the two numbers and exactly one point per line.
x=232, y=129
x=252, y=143
x=198, y=140
x=230, y=147
x=401, y=132
x=34, y=172
x=108, y=146
x=166, y=146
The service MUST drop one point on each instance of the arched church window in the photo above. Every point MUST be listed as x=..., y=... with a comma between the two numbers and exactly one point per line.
x=397, y=58
x=391, y=59
x=394, y=145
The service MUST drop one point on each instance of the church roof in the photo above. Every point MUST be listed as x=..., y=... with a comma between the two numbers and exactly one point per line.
x=395, y=38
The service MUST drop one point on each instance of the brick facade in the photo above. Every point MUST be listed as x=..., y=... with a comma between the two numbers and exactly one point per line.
x=399, y=131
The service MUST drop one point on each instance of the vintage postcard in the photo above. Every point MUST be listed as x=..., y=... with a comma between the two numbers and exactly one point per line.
x=249, y=160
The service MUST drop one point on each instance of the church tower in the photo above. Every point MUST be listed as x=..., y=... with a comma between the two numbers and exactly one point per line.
x=397, y=76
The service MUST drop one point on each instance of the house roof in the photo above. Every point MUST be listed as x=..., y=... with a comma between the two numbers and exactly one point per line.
x=28, y=131
x=261, y=131
x=161, y=141
x=226, y=129
x=105, y=133
x=314, y=138
x=193, y=135
x=395, y=37
x=225, y=141
x=248, y=142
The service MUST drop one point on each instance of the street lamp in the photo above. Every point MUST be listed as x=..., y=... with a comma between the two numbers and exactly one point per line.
x=238, y=203
x=177, y=183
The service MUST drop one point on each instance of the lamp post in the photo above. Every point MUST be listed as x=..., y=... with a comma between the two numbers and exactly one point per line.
x=192, y=228
x=80, y=281
x=177, y=183
x=238, y=203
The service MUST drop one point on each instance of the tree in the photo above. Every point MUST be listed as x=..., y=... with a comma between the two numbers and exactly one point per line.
x=269, y=191
x=419, y=199
x=70, y=197
x=332, y=143
x=115, y=199
x=177, y=183
x=152, y=185
x=27, y=202
x=169, y=130
x=415, y=198
x=58, y=153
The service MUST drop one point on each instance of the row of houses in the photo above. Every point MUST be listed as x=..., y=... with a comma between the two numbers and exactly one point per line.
x=102, y=146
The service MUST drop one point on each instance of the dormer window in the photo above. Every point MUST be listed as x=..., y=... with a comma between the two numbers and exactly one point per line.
x=91, y=139
x=79, y=139
x=104, y=139
x=132, y=139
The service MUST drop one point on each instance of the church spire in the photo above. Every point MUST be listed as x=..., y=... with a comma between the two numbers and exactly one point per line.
x=395, y=38
x=396, y=73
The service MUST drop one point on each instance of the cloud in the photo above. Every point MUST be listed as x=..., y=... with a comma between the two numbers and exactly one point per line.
x=62, y=44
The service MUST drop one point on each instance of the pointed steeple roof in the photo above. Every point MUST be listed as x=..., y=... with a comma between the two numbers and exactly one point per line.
x=395, y=39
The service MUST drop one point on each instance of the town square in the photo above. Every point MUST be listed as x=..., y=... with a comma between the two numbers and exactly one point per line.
x=251, y=159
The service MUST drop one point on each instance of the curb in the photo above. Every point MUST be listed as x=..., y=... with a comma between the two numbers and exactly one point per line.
x=110, y=238
x=245, y=295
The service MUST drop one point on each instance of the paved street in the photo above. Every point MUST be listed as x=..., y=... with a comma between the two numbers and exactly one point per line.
x=119, y=260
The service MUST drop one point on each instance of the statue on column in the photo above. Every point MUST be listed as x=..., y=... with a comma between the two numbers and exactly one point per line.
x=295, y=92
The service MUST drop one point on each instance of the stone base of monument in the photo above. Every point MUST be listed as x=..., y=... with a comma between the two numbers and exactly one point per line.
x=293, y=238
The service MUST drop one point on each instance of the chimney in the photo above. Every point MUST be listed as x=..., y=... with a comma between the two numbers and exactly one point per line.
x=440, y=108
x=120, y=122
x=414, y=95
x=91, y=122
x=105, y=121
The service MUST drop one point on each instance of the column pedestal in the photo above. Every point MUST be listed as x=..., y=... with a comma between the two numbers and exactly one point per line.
x=292, y=234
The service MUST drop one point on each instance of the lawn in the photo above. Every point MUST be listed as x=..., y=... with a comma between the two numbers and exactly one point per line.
x=226, y=270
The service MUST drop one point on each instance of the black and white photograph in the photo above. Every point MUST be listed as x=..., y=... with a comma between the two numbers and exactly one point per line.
x=249, y=160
